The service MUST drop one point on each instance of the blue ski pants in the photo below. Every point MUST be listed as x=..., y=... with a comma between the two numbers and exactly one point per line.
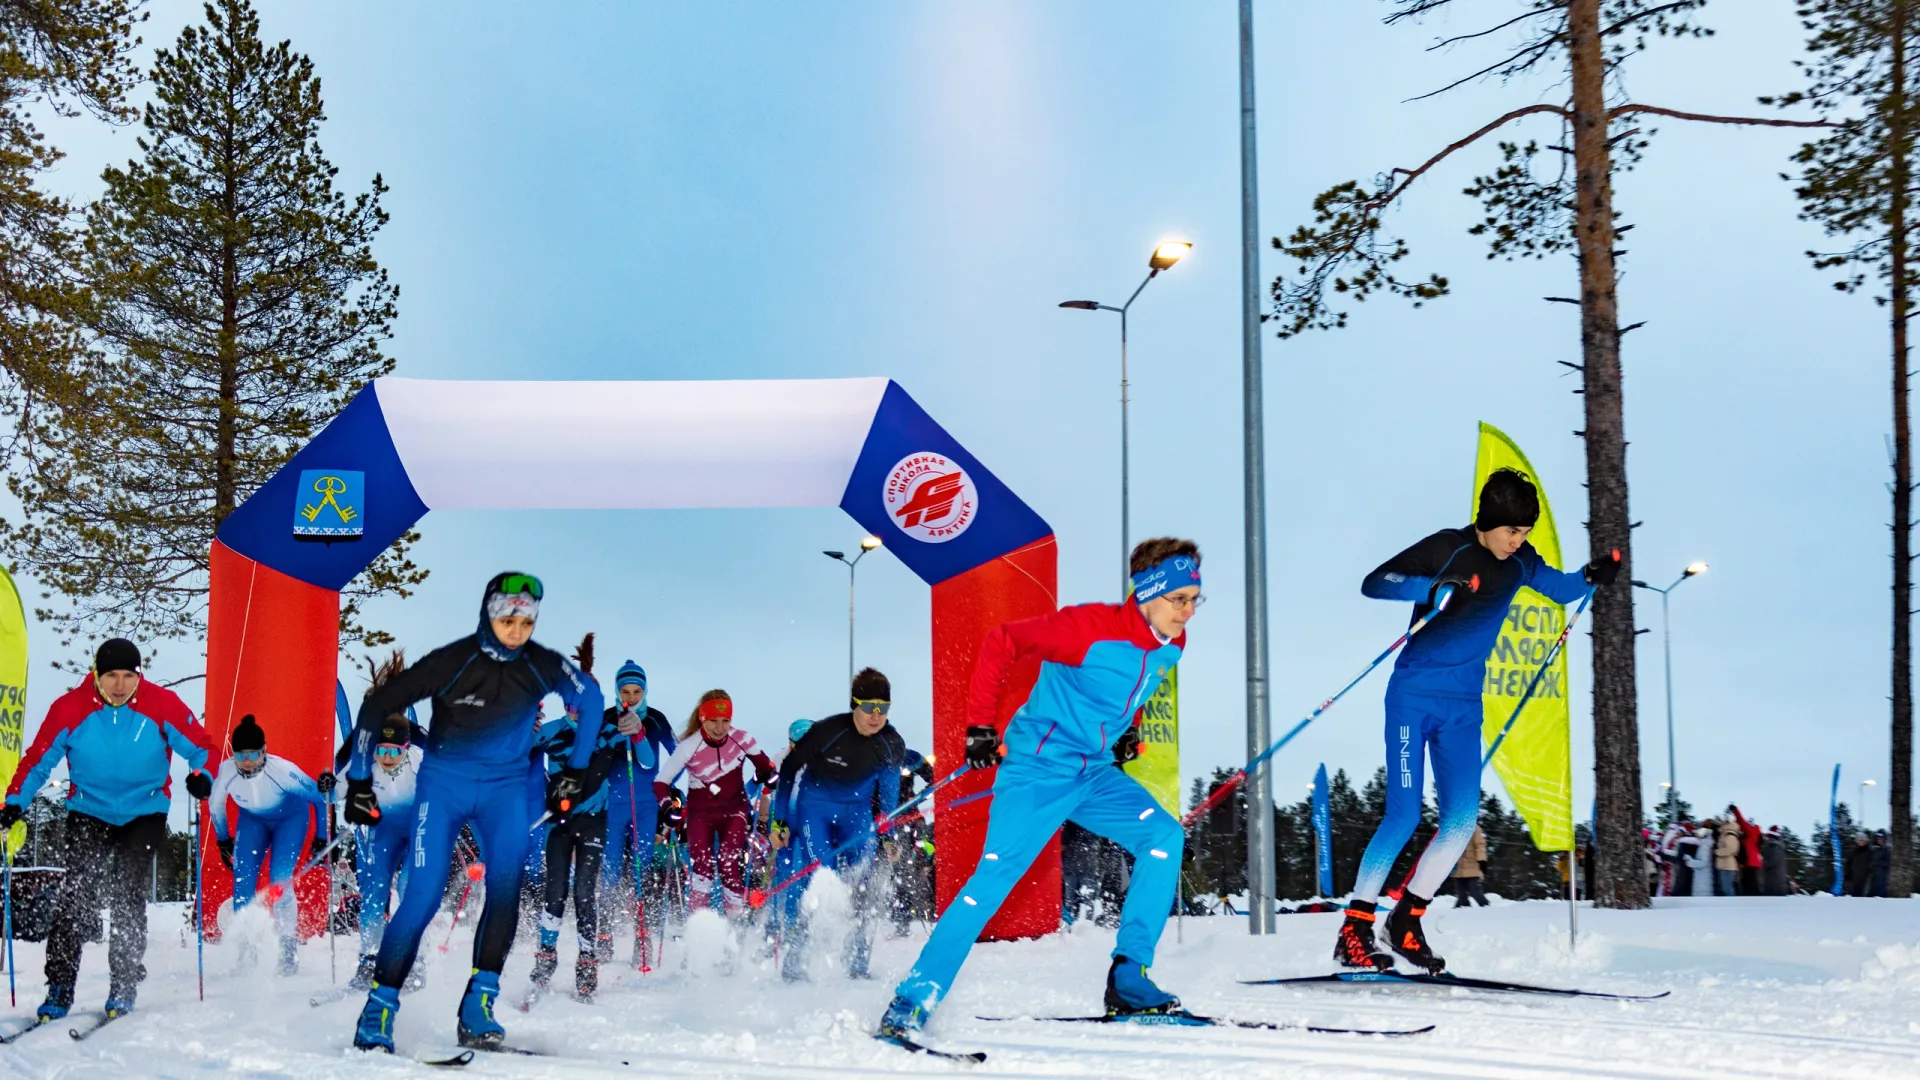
x=819, y=827
x=1032, y=798
x=1448, y=731
x=285, y=835
x=497, y=810
x=632, y=819
x=382, y=855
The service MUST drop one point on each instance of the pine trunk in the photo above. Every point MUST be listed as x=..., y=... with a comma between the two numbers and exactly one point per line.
x=1900, y=780
x=1618, y=879
x=226, y=452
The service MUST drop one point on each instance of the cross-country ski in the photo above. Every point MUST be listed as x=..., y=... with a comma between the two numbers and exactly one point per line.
x=1447, y=980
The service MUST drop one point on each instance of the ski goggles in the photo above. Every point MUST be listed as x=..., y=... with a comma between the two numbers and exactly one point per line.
x=249, y=757
x=389, y=752
x=518, y=594
x=877, y=706
x=717, y=709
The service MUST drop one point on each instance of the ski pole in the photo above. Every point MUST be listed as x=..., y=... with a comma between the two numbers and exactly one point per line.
x=13, y=995
x=880, y=827
x=475, y=871
x=1441, y=600
x=1552, y=655
x=639, y=901
x=333, y=882
x=194, y=852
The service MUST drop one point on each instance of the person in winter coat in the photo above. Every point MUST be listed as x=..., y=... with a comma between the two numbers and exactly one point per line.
x=712, y=753
x=117, y=797
x=833, y=784
x=1098, y=665
x=1670, y=864
x=277, y=804
x=1749, y=835
x=1469, y=874
x=1701, y=861
x=643, y=738
x=1858, y=867
x=1726, y=858
x=1773, y=863
x=1882, y=864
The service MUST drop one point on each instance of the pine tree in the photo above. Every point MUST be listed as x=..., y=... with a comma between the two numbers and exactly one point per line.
x=1533, y=213
x=65, y=58
x=1665, y=813
x=240, y=308
x=1858, y=184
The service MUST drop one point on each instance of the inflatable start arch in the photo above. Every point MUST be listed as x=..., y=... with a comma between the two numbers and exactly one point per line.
x=402, y=447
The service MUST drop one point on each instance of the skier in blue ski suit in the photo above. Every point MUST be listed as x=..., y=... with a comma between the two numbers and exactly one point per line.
x=833, y=783
x=485, y=688
x=276, y=802
x=1099, y=663
x=632, y=812
x=382, y=851
x=1434, y=699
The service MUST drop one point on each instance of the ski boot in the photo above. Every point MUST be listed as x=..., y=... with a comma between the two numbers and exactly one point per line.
x=362, y=975
x=59, y=1001
x=1355, y=947
x=902, y=1020
x=544, y=963
x=120, y=997
x=1408, y=939
x=1131, y=993
x=289, y=956
x=586, y=977
x=375, y=1029
x=478, y=1029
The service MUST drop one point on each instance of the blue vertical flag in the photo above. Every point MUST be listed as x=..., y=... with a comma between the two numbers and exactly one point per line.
x=1833, y=829
x=1323, y=831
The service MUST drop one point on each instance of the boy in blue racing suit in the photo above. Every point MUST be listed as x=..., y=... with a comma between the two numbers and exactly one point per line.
x=1099, y=663
x=843, y=772
x=1434, y=699
x=485, y=688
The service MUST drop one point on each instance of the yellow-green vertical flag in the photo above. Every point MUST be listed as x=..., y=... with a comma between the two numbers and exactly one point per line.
x=13, y=693
x=1158, y=766
x=1536, y=761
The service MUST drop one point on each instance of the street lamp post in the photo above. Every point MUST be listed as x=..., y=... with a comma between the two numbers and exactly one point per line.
x=867, y=543
x=1666, y=644
x=1864, y=785
x=1164, y=255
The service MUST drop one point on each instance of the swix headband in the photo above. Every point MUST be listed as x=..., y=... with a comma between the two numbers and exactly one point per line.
x=1173, y=572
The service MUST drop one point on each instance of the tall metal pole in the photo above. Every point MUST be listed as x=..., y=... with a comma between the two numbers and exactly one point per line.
x=1673, y=779
x=1260, y=890
x=852, y=568
x=1126, y=552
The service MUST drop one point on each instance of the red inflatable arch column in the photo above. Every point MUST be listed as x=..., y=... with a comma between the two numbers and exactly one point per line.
x=1018, y=585
x=272, y=648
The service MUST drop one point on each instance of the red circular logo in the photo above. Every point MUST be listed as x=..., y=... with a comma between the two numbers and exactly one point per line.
x=930, y=497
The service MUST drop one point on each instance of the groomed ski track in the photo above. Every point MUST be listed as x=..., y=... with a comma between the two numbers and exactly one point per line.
x=1771, y=988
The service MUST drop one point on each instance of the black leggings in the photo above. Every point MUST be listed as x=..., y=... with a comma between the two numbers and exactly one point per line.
x=105, y=864
x=575, y=844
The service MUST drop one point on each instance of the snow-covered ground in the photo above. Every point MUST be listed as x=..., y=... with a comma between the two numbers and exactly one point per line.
x=1790, y=987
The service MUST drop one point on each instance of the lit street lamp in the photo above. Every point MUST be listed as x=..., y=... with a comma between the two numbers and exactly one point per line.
x=1864, y=785
x=1666, y=642
x=867, y=543
x=1164, y=255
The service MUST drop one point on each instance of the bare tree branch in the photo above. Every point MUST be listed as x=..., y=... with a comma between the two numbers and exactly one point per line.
x=1745, y=121
x=1399, y=186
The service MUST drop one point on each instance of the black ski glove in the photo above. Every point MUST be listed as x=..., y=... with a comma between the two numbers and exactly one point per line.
x=199, y=785
x=1127, y=746
x=1604, y=569
x=983, y=747
x=10, y=814
x=1457, y=582
x=363, y=806
x=226, y=851
x=564, y=791
x=324, y=782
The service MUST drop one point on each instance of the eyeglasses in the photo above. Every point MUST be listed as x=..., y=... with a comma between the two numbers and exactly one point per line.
x=514, y=584
x=875, y=706
x=1178, y=602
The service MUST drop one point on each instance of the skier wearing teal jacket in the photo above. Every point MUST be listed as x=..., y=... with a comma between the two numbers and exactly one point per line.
x=1098, y=664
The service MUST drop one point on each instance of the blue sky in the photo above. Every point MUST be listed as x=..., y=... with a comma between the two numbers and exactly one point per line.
x=730, y=190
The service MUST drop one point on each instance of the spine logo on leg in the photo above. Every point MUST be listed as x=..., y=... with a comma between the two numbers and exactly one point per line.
x=1406, y=752
x=930, y=497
